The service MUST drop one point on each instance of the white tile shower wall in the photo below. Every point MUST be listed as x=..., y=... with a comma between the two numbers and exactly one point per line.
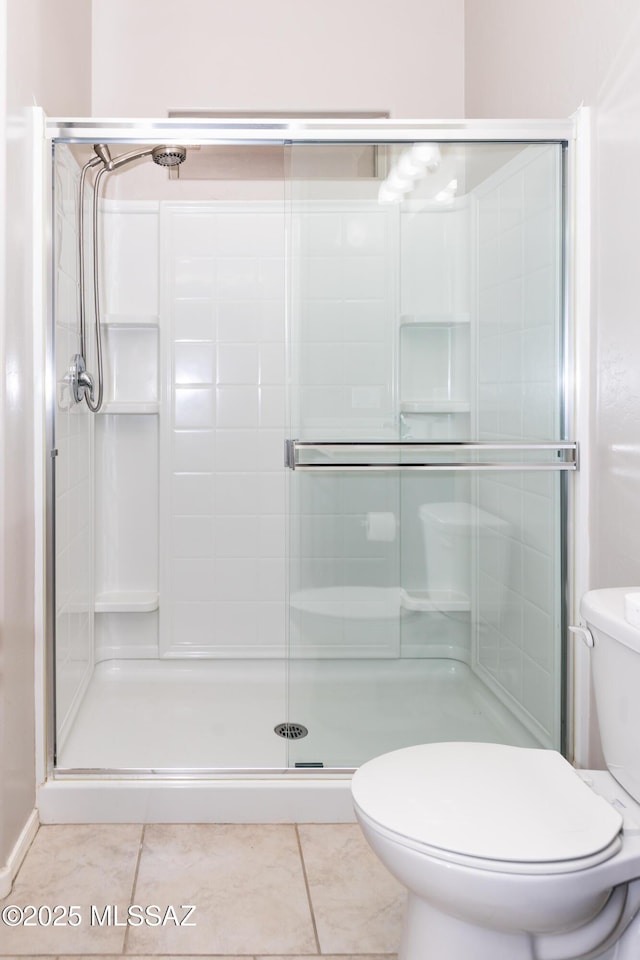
x=518, y=319
x=343, y=367
x=222, y=477
x=126, y=434
x=434, y=277
x=126, y=514
x=344, y=586
x=130, y=291
x=73, y=465
x=434, y=366
x=344, y=315
x=223, y=413
x=223, y=511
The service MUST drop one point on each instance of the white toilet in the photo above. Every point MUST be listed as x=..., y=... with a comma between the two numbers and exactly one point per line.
x=508, y=853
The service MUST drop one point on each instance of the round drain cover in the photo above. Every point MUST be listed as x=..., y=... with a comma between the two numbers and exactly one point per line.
x=291, y=731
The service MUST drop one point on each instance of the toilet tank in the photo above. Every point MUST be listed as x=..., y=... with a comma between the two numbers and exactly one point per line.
x=615, y=667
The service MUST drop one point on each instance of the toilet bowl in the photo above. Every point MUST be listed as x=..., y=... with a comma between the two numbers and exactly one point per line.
x=509, y=852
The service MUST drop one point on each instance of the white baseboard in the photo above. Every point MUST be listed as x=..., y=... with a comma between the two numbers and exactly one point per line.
x=17, y=855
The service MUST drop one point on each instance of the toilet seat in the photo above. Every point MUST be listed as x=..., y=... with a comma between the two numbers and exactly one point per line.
x=491, y=806
x=495, y=866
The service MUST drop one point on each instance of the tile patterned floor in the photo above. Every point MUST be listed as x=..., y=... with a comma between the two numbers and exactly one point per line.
x=281, y=892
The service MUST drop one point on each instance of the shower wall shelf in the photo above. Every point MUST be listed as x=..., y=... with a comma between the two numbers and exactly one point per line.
x=131, y=407
x=130, y=320
x=127, y=602
x=434, y=353
x=433, y=319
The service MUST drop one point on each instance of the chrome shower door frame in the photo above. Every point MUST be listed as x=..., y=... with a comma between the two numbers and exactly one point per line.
x=264, y=132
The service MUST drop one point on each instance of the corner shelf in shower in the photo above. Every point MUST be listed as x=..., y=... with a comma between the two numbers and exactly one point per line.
x=131, y=407
x=141, y=601
x=434, y=601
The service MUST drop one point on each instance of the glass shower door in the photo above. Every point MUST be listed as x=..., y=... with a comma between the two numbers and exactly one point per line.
x=427, y=455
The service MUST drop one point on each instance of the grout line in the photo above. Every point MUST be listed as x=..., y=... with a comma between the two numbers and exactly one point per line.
x=308, y=891
x=134, y=884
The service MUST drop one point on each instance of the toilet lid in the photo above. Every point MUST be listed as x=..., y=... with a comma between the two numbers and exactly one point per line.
x=486, y=800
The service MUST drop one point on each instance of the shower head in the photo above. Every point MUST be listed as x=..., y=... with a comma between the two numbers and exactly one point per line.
x=169, y=156
x=164, y=156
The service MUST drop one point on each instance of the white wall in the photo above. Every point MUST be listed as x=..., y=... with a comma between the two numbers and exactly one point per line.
x=150, y=56
x=47, y=61
x=545, y=58
x=539, y=59
x=616, y=461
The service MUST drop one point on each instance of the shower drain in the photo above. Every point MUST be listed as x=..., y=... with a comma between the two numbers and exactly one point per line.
x=291, y=731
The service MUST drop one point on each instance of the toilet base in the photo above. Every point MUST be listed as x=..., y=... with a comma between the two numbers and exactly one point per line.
x=429, y=934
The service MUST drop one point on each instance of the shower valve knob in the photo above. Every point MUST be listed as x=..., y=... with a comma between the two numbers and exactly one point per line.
x=79, y=379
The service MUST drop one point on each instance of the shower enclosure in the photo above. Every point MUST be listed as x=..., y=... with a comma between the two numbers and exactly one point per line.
x=322, y=510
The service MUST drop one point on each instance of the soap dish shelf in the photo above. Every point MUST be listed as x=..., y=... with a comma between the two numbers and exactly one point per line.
x=127, y=602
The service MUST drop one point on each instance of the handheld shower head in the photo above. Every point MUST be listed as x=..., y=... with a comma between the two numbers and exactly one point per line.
x=164, y=155
x=169, y=156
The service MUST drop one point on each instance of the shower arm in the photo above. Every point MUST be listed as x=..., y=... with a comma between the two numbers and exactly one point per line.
x=114, y=164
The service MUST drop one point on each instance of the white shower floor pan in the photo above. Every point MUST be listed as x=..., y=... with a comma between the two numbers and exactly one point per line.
x=194, y=740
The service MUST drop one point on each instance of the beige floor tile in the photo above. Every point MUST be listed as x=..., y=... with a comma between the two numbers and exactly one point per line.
x=246, y=882
x=323, y=956
x=74, y=865
x=358, y=906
